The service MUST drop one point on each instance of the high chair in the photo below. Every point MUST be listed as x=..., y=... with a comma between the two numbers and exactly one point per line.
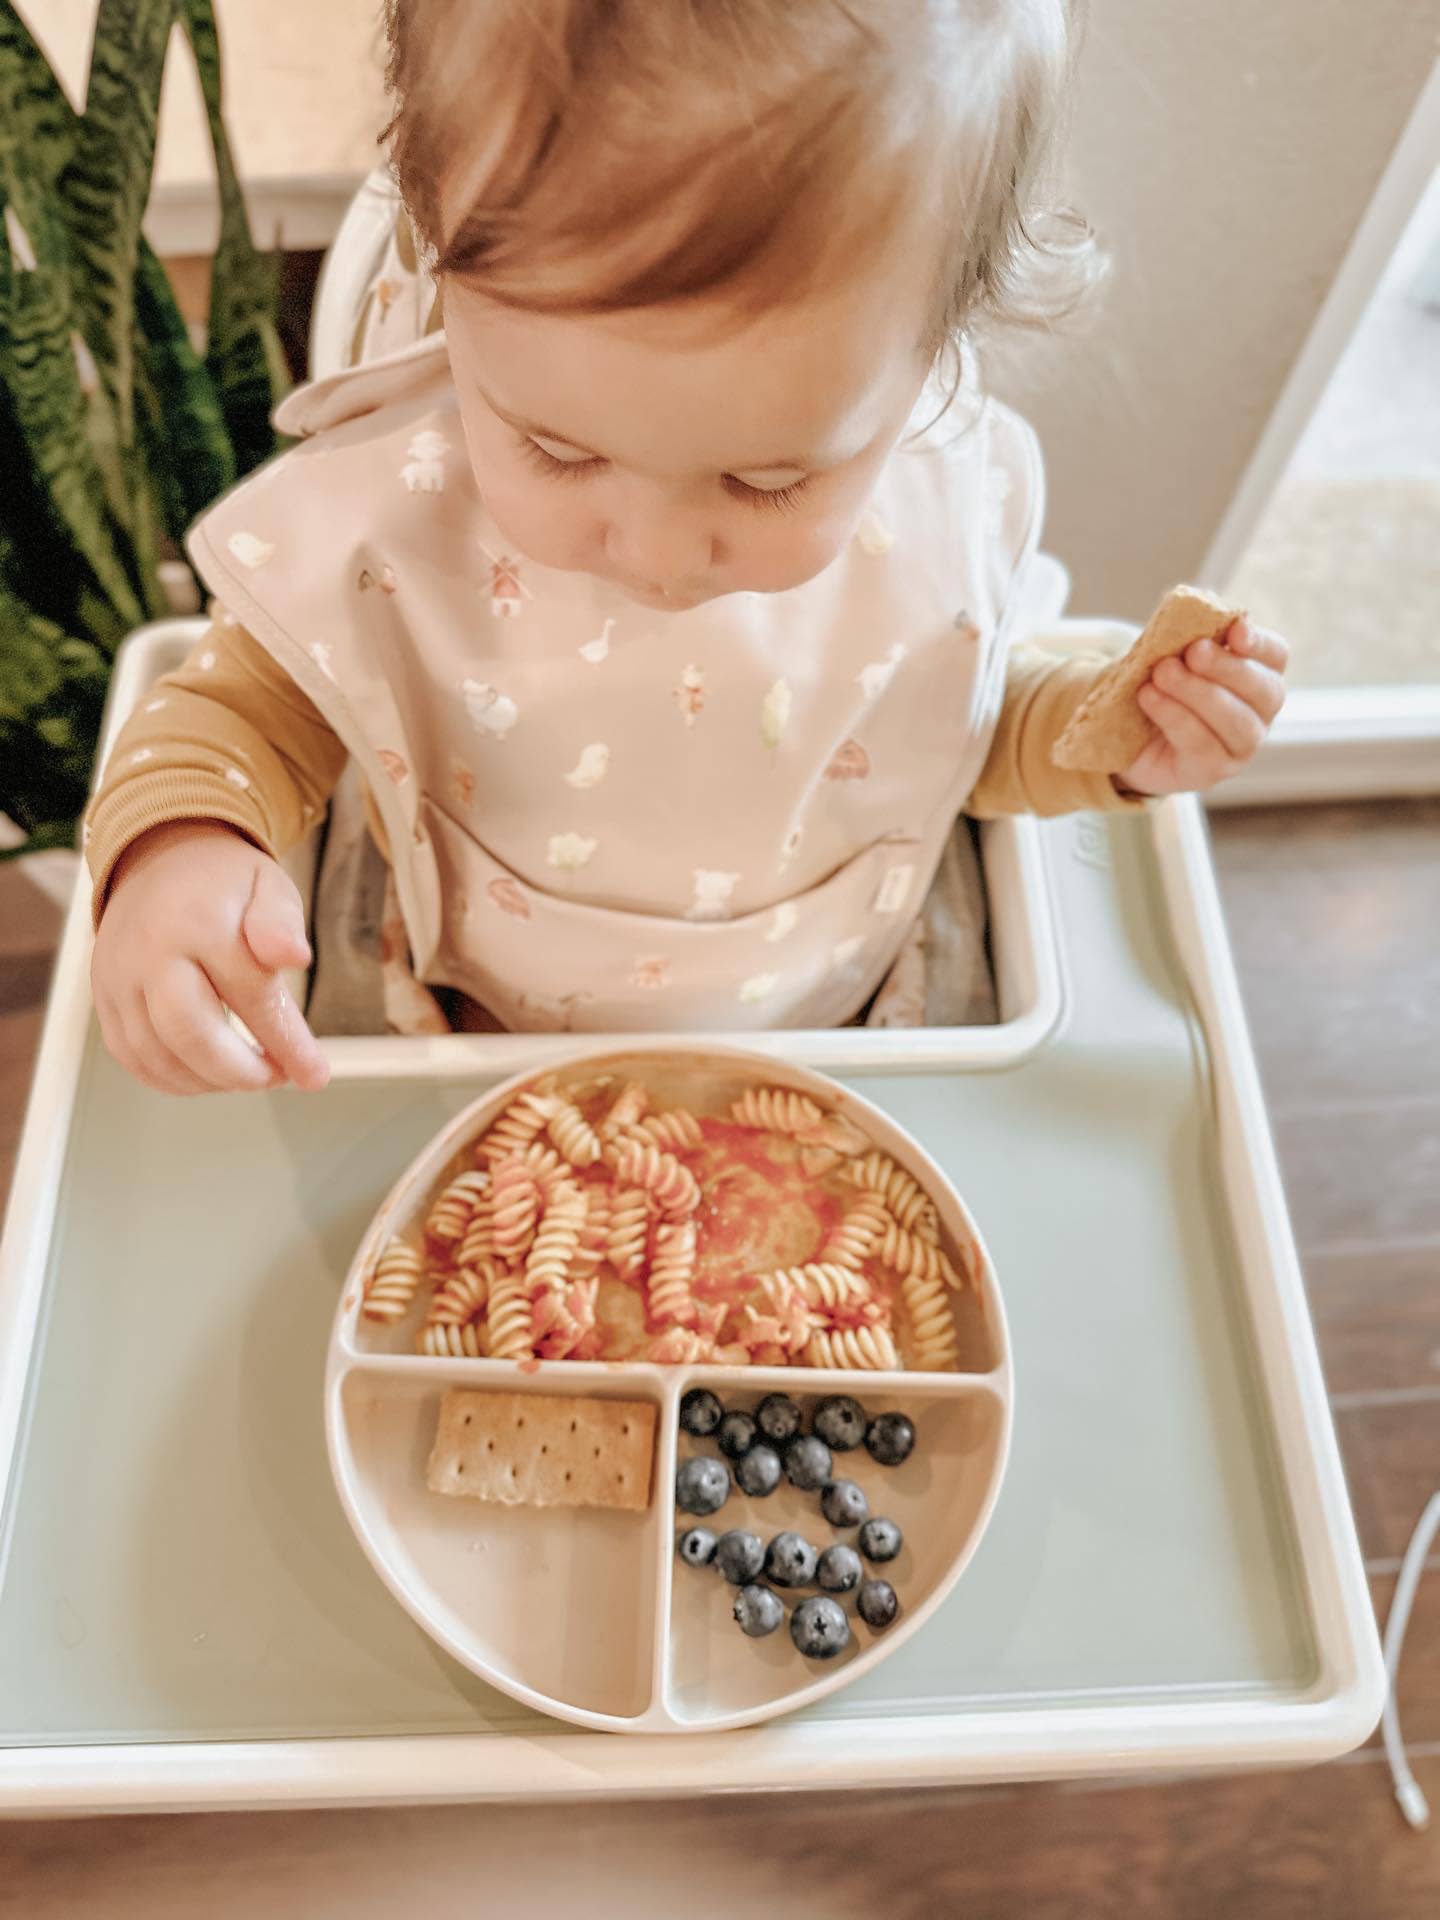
x=1171, y=1580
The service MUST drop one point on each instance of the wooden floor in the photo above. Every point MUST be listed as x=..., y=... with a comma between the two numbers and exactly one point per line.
x=1335, y=914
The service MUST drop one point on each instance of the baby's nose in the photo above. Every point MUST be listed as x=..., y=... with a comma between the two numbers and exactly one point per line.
x=666, y=550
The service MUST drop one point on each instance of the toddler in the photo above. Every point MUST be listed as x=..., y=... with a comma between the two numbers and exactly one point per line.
x=665, y=598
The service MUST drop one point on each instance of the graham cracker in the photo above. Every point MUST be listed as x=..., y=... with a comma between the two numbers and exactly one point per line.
x=1108, y=730
x=543, y=1450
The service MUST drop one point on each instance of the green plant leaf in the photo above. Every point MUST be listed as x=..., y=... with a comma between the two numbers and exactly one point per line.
x=245, y=357
x=182, y=428
x=107, y=183
x=42, y=379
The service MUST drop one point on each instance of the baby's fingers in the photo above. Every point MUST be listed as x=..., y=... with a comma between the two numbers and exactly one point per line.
x=190, y=1022
x=274, y=920
x=1237, y=727
x=1259, y=686
x=132, y=1038
x=265, y=1005
x=1258, y=644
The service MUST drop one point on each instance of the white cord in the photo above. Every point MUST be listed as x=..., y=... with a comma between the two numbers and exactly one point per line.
x=1413, y=1804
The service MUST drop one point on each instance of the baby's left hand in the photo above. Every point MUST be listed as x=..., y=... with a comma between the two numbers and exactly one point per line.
x=1213, y=706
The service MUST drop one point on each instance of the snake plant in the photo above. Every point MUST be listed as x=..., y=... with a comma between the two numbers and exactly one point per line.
x=115, y=431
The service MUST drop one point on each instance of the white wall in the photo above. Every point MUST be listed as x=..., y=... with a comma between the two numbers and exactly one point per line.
x=1226, y=151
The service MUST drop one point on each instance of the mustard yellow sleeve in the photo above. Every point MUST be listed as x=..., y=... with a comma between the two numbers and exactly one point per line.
x=1042, y=690
x=227, y=737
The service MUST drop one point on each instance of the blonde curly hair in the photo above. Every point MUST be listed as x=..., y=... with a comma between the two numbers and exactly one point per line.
x=599, y=155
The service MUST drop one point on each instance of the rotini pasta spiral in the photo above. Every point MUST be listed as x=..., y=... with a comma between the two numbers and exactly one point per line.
x=510, y=1318
x=561, y=1320
x=677, y=1130
x=852, y=1240
x=870, y=1348
x=573, y=1135
x=626, y=1110
x=905, y=1199
x=521, y=1123
x=904, y=1252
x=479, y=1241
x=444, y=1341
x=557, y=1238
x=681, y=1347
x=818, y=1285
x=453, y=1210
x=934, y=1345
x=671, y=1183
x=629, y=1231
x=776, y=1110
x=392, y=1281
x=461, y=1296
x=594, y=1232
x=668, y=1286
x=514, y=1211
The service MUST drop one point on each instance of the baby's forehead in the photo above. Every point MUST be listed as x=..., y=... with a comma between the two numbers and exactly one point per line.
x=806, y=386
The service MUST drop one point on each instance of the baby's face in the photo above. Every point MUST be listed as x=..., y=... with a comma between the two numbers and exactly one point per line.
x=676, y=458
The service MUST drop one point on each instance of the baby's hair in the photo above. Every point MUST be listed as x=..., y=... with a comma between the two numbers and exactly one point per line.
x=591, y=156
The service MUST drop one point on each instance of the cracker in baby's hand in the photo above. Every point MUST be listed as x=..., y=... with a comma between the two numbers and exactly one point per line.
x=1108, y=730
x=543, y=1450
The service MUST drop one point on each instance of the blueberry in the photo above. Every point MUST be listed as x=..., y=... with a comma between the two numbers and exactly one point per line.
x=807, y=1463
x=840, y=1422
x=696, y=1547
x=778, y=1417
x=700, y=1411
x=702, y=1485
x=819, y=1628
x=790, y=1561
x=740, y=1556
x=876, y=1604
x=736, y=1434
x=844, y=1504
x=758, y=1610
x=838, y=1570
x=880, y=1540
x=758, y=1471
x=890, y=1437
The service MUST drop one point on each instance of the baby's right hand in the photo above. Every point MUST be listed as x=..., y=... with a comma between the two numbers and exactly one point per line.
x=197, y=916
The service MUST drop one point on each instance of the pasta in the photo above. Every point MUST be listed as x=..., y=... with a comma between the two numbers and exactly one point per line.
x=851, y=1242
x=574, y=1137
x=934, y=1346
x=461, y=1296
x=625, y=1114
x=515, y=1210
x=818, y=1285
x=594, y=1224
x=906, y=1252
x=776, y=1110
x=557, y=1240
x=392, y=1282
x=628, y=1232
x=904, y=1198
x=670, y=1182
x=677, y=1130
x=521, y=1123
x=672, y=1270
x=456, y=1206
x=871, y=1348
x=511, y=1320
x=449, y=1342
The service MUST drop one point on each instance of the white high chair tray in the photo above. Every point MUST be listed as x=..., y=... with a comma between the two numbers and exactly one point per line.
x=1170, y=1579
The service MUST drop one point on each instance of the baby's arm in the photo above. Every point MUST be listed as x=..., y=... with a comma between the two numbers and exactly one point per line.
x=221, y=770
x=1210, y=709
x=1042, y=691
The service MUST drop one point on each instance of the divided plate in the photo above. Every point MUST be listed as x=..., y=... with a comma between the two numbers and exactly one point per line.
x=588, y=1614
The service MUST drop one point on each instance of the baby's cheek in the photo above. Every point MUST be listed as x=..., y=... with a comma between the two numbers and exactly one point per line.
x=787, y=555
x=554, y=533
